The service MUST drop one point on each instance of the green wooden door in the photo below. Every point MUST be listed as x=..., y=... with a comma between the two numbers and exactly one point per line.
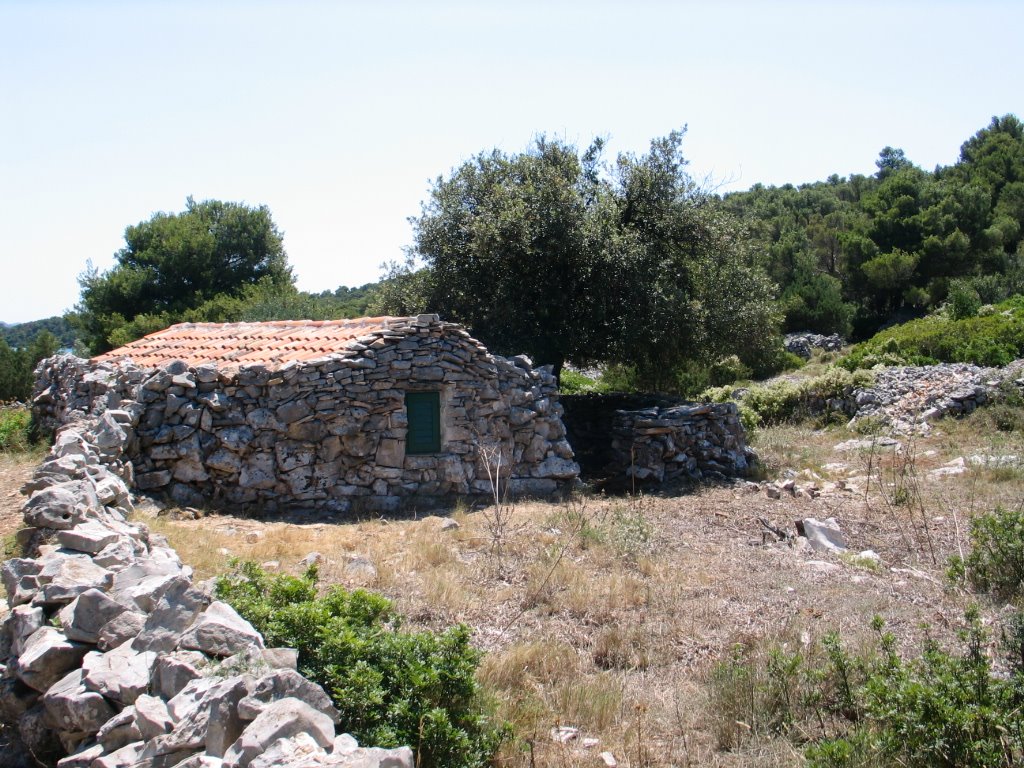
x=424, y=412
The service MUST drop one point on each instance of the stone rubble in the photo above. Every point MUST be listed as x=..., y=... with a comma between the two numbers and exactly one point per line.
x=804, y=342
x=631, y=447
x=326, y=434
x=908, y=398
x=110, y=655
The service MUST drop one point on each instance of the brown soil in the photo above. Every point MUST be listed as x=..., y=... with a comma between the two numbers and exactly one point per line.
x=15, y=470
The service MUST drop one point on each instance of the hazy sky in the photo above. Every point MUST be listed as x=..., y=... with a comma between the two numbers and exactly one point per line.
x=337, y=115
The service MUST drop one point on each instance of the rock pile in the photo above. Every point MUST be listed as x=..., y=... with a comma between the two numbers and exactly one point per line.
x=622, y=445
x=686, y=441
x=112, y=655
x=328, y=434
x=804, y=342
x=906, y=398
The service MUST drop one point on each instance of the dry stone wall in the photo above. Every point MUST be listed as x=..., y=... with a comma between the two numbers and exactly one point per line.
x=111, y=656
x=331, y=433
x=636, y=441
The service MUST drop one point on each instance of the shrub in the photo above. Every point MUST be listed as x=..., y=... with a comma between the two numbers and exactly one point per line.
x=990, y=339
x=786, y=401
x=15, y=428
x=391, y=687
x=727, y=370
x=995, y=562
x=572, y=382
x=944, y=708
x=964, y=300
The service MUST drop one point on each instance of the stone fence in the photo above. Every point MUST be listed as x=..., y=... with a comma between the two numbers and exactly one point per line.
x=113, y=657
x=624, y=442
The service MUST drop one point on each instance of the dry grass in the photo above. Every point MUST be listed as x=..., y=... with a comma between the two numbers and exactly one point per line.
x=608, y=616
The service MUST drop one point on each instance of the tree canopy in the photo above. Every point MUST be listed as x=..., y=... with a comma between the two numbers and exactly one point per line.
x=556, y=253
x=176, y=262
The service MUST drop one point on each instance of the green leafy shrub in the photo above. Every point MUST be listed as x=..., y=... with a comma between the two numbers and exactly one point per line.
x=990, y=339
x=964, y=300
x=941, y=709
x=727, y=370
x=572, y=382
x=15, y=428
x=944, y=708
x=391, y=687
x=995, y=562
x=619, y=378
x=785, y=401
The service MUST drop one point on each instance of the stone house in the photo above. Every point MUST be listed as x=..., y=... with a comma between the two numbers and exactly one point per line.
x=372, y=414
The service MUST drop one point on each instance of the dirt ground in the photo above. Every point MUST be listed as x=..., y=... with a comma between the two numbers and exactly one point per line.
x=610, y=615
x=15, y=470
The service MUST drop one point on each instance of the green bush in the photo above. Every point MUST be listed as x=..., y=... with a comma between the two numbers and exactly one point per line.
x=945, y=708
x=15, y=428
x=993, y=339
x=785, y=400
x=572, y=382
x=727, y=370
x=941, y=709
x=995, y=562
x=391, y=687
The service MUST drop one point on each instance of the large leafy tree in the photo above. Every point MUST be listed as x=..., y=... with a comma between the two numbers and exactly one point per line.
x=176, y=262
x=554, y=252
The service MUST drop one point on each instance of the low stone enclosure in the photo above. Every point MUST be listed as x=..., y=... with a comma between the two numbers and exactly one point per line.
x=365, y=416
x=633, y=442
x=111, y=656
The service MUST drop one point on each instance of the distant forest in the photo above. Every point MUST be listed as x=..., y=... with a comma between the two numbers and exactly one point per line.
x=852, y=254
x=21, y=335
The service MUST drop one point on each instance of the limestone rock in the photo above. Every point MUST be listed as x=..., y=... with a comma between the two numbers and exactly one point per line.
x=220, y=631
x=71, y=707
x=120, y=674
x=62, y=506
x=177, y=606
x=22, y=623
x=84, y=617
x=207, y=721
x=174, y=671
x=152, y=717
x=90, y=536
x=124, y=626
x=127, y=756
x=68, y=577
x=281, y=719
x=119, y=730
x=282, y=684
x=822, y=535
x=83, y=758
x=47, y=657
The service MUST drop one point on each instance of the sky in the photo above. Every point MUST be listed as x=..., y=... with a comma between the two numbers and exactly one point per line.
x=339, y=115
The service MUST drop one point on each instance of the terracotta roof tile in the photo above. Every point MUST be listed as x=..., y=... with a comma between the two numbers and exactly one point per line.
x=232, y=344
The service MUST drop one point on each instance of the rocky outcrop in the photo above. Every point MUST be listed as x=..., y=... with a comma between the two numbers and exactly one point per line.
x=111, y=656
x=629, y=441
x=908, y=398
x=329, y=434
x=804, y=343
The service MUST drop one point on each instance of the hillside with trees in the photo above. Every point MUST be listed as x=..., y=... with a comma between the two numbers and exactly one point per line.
x=852, y=254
